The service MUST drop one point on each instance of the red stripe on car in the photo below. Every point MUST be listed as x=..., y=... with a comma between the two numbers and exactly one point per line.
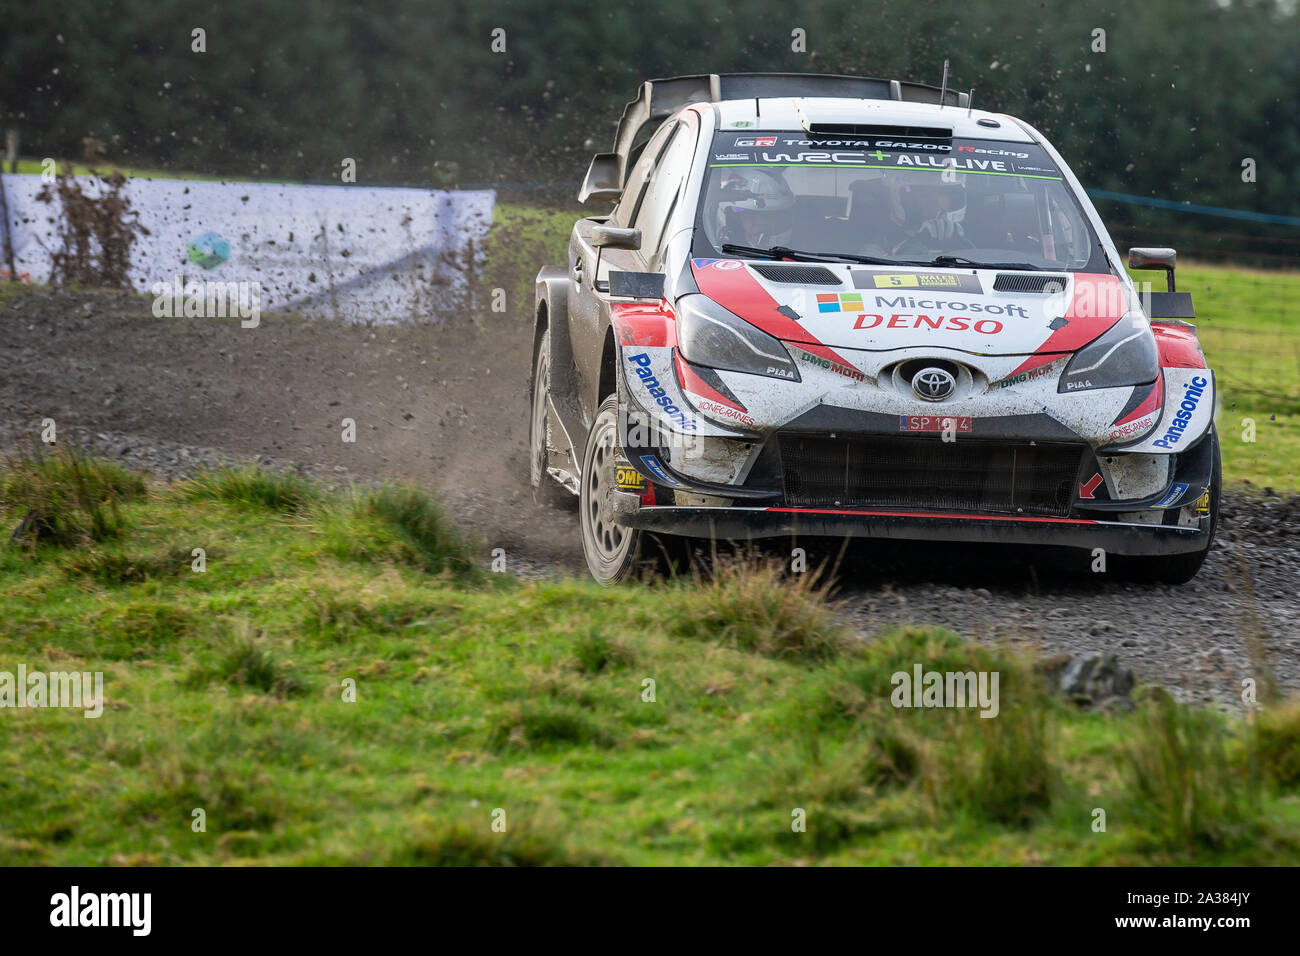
x=1090, y=314
x=729, y=283
x=930, y=514
x=644, y=325
x=1177, y=346
x=697, y=386
x=1154, y=400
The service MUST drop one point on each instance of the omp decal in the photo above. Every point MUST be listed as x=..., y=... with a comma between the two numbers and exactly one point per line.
x=933, y=423
x=1176, y=491
x=628, y=478
x=644, y=325
x=1193, y=391
x=957, y=281
x=1088, y=487
x=1144, y=400
x=1178, y=346
x=641, y=369
x=1096, y=303
x=1203, y=503
x=706, y=383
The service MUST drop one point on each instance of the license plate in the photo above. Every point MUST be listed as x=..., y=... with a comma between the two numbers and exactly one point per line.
x=933, y=423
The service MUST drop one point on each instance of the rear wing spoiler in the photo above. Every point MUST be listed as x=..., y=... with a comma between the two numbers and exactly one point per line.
x=660, y=99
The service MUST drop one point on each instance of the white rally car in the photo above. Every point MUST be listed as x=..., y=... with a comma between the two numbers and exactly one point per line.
x=840, y=306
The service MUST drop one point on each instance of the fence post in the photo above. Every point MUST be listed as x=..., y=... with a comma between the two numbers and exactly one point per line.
x=11, y=147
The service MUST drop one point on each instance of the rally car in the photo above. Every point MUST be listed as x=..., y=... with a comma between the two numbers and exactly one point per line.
x=843, y=306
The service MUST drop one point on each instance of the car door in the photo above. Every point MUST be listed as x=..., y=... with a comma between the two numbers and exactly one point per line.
x=660, y=213
x=589, y=269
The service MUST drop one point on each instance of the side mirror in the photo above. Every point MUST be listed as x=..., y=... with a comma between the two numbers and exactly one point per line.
x=1170, y=304
x=615, y=237
x=1154, y=258
x=636, y=285
x=602, y=179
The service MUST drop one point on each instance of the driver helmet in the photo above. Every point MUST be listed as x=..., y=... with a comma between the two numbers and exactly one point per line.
x=922, y=203
x=755, y=208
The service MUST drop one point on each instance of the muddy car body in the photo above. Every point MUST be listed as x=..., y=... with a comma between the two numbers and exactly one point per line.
x=852, y=307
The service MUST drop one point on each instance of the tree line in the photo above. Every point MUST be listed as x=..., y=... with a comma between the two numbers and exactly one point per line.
x=1164, y=98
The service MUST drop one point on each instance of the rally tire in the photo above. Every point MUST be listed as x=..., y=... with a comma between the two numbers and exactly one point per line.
x=613, y=552
x=546, y=490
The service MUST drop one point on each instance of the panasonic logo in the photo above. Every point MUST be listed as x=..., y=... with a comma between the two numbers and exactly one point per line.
x=1192, y=394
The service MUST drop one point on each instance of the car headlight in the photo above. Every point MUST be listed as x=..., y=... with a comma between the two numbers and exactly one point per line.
x=709, y=335
x=1126, y=355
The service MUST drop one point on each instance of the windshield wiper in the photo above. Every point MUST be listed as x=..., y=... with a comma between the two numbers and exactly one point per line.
x=973, y=264
x=785, y=252
x=797, y=255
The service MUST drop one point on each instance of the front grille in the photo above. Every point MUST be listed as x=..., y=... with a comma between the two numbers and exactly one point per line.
x=801, y=275
x=928, y=474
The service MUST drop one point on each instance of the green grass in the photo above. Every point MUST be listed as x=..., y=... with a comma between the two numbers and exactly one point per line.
x=228, y=691
x=522, y=240
x=36, y=167
x=1249, y=326
x=62, y=498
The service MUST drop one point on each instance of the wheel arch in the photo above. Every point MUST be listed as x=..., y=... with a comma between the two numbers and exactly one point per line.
x=608, y=367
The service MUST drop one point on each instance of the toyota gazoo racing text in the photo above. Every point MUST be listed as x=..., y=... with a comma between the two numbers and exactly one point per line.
x=839, y=306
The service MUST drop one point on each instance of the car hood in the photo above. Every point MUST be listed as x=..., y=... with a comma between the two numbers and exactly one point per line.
x=984, y=312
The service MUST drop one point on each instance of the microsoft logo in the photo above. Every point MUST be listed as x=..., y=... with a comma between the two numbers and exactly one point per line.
x=839, y=302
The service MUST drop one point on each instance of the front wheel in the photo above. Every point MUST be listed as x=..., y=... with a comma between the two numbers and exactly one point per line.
x=545, y=489
x=612, y=551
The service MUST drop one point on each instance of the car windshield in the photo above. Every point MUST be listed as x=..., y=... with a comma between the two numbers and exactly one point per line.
x=980, y=200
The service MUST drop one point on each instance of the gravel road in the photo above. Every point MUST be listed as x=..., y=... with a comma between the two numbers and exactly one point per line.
x=447, y=406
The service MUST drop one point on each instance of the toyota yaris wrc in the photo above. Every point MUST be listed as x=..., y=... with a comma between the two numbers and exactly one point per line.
x=839, y=306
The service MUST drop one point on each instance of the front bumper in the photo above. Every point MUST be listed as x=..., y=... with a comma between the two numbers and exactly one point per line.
x=744, y=523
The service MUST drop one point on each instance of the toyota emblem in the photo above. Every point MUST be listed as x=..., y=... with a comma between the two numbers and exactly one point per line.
x=933, y=384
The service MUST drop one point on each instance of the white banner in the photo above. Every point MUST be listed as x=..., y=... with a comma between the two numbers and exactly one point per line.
x=352, y=252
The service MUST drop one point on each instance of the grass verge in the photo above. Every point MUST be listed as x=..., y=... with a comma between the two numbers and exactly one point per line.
x=322, y=697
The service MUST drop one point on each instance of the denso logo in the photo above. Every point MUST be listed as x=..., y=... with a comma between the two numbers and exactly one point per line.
x=945, y=323
x=1191, y=399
